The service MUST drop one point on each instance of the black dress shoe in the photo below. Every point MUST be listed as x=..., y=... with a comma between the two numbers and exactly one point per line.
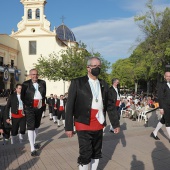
x=111, y=131
x=37, y=146
x=153, y=136
x=34, y=153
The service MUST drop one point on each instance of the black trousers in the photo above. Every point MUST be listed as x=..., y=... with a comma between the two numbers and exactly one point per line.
x=166, y=117
x=33, y=117
x=90, y=145
x=50, y=109
x=18, y=124
x=6, y=133
x=61, y=114
x=55, y=112
x=44, y=108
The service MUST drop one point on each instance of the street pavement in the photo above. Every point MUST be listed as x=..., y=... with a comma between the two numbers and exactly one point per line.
x=131, y=149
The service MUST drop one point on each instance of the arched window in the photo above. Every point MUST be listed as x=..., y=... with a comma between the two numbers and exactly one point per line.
x=37, y=14
x=30, y=14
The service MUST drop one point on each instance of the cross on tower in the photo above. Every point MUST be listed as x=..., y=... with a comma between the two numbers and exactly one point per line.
x=62, y=19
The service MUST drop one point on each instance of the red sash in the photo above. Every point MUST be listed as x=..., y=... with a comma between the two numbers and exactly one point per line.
x=117, y=102
x=18, y=115
x=35, y=103
x=61, y=108
x=94, y=123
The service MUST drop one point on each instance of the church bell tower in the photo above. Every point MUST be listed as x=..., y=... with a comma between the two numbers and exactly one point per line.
x=34, y=16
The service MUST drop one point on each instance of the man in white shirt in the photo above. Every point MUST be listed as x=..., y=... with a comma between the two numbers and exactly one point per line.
x=86, y=107
x=115, y=98
x=33, y=96
x=17, y=116
x=61, y=110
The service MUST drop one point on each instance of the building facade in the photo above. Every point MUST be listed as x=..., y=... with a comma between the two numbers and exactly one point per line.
x=32, y=40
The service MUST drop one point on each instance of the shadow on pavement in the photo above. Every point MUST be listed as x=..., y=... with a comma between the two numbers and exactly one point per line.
x=136, y=164
x=160, y=151
x=109, y=145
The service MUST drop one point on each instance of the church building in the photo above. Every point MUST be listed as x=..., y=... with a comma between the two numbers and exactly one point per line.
x=33, y=39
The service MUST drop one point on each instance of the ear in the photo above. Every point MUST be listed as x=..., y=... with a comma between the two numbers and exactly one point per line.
x=88, y=68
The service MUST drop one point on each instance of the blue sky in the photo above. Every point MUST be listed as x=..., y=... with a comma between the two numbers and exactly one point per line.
x=105, y=26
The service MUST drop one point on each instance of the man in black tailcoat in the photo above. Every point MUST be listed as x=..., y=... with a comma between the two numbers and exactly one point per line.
x=33, y=96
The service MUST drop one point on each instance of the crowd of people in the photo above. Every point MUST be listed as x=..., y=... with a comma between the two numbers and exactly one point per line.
x=24, y=109
x=83, y=108
x=133, y=106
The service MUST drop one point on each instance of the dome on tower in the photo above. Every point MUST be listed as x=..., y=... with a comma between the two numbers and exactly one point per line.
x=64, y=33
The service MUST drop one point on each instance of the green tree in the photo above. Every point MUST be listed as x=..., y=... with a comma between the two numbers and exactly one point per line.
x=155, y=26
x=69, y=64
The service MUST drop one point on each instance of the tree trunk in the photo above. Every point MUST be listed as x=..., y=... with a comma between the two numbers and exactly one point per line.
x=148, y=87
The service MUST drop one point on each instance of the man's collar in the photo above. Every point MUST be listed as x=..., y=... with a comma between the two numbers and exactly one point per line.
x=92, y=80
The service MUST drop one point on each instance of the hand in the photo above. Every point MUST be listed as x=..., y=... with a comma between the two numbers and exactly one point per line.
x=1, y=131
x=8, y=121
x=69, y=133
x=161, y=111
x=23, y=114
x=55, y=108
x=117, y=130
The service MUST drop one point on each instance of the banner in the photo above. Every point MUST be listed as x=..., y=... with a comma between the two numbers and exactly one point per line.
x=6, y=74
x=16, y=75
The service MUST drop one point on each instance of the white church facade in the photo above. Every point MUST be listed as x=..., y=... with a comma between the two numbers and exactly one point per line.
x=33, y=39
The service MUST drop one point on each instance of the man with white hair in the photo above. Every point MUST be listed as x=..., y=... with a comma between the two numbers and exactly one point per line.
x=33, y=96
x=86, y=106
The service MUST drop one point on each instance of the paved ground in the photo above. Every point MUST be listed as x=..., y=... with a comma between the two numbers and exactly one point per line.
x=132, y=149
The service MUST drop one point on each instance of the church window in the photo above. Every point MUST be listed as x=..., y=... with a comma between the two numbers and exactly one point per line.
x=12, y=63
x=32, y=47
x=37, y=14
x=30, y=14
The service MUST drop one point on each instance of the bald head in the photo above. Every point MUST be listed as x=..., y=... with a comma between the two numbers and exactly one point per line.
x=167, y=76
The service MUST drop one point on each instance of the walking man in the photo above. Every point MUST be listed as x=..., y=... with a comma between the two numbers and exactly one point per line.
x=87, y=103
x=114, y=99
x=17, y=116
x=33, y=96
x=61, y=110
x=164, y=106
x=54, y=108
x=50, y=102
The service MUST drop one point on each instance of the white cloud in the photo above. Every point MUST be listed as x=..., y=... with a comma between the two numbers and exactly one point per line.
x=111, y=38
x=140, y=6
x=114, y=38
